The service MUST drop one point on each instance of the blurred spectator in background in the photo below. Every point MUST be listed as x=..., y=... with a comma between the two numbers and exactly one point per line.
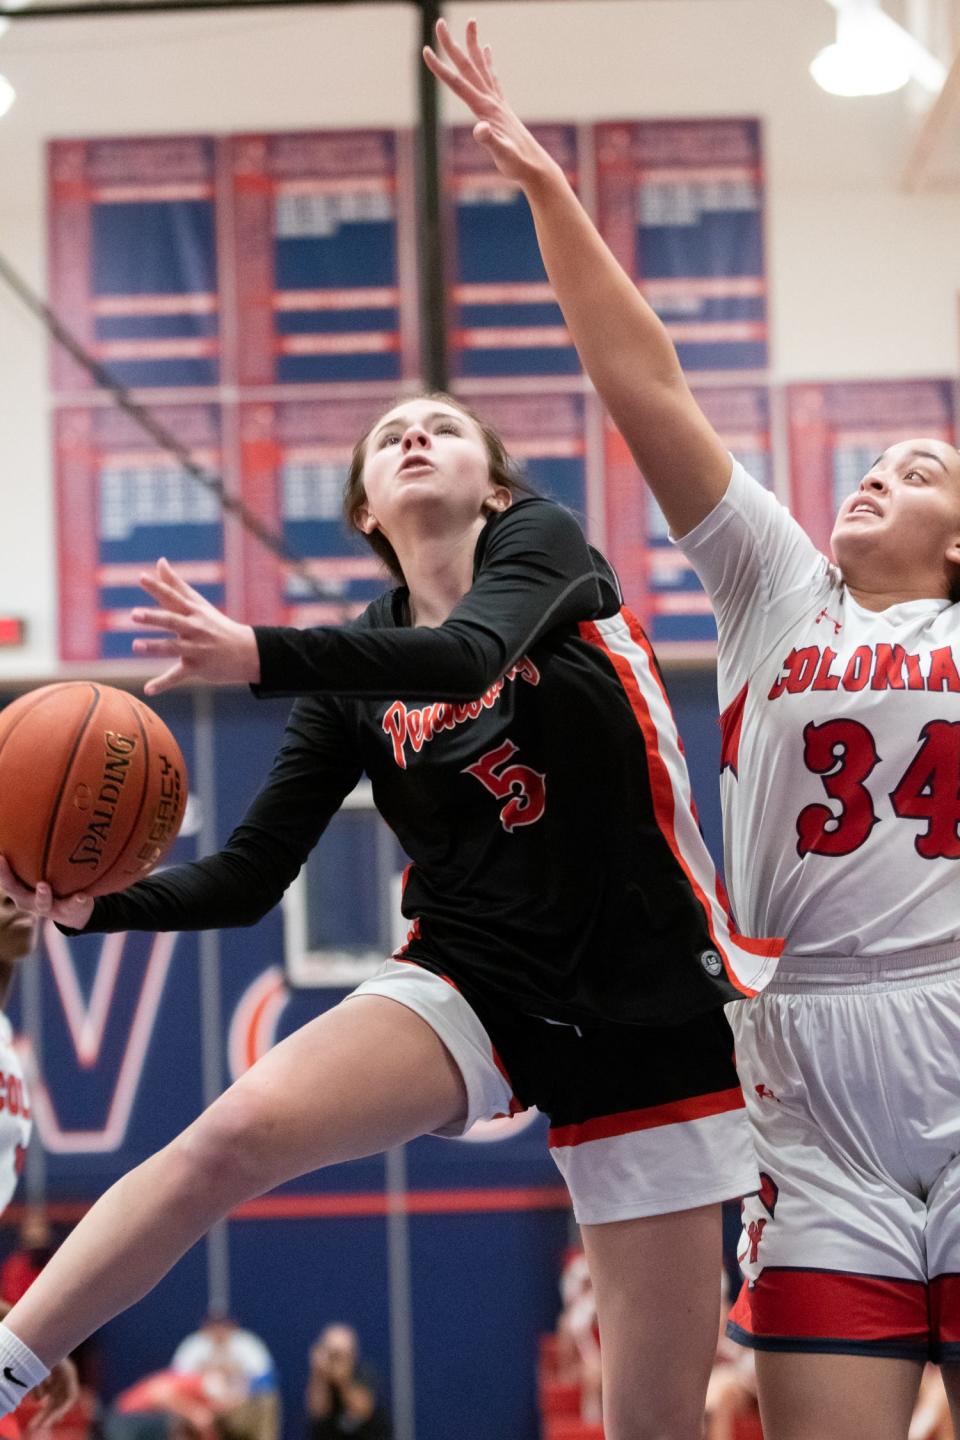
x=239, y=1375
x=578, y=1334
x=35, y=1245
x=163, y=1406
x=342, y=1394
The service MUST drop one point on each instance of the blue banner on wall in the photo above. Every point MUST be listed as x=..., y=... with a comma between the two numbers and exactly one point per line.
x=133, y=259
x=504, y=320
x=121, y=503
x=323, y=274
x=294, y=457
x=680, y=203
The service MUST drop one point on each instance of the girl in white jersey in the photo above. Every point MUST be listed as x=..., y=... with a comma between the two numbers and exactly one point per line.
x=839, y=686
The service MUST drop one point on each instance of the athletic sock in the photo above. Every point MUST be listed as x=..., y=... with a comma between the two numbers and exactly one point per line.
x=20, y=1370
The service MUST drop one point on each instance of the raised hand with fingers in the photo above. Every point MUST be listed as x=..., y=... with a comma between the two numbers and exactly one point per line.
x=204, y=643
x=74, y=911
x=469, y=74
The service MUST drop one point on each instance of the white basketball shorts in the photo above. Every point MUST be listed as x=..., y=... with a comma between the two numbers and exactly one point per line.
x=851, y=1071
x=644, y=1120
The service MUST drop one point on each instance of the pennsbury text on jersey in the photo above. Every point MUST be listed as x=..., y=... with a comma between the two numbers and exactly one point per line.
x=418, y=727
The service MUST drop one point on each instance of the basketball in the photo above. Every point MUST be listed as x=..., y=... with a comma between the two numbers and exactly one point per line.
x=92, y=788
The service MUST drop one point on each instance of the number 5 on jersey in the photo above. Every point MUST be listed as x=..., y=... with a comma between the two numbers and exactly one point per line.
x=526, y=788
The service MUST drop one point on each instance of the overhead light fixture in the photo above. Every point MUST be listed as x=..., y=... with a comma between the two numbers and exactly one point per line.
x=12, y=5
x=7, y=95
x=873, y=55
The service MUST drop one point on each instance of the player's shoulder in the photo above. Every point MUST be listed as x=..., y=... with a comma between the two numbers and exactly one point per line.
x=535, y=524
x=529, y=513
x=531, y=525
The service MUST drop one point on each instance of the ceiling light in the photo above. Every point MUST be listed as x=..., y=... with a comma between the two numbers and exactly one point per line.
x=873, y=55
x=7, y=95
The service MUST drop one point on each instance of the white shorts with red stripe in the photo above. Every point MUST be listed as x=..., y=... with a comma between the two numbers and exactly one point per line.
x=852, y=1245
x=643, y=1120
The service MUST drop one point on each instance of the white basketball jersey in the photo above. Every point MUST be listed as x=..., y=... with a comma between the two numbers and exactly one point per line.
x=15, y=1121
x=841, y=742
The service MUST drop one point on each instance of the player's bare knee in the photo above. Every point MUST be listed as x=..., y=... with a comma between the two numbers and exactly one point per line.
x=646, y=1419
x=227, y=1150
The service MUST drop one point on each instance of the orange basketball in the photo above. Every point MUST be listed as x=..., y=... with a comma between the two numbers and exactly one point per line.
x=92, y=788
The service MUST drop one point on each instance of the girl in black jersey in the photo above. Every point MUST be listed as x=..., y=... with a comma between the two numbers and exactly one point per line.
x=569, y=944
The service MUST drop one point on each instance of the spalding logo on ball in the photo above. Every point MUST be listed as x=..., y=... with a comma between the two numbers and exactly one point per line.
x=92, y=788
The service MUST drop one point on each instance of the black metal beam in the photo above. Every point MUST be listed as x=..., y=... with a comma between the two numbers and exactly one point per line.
x=433, y=291
x=159, y=7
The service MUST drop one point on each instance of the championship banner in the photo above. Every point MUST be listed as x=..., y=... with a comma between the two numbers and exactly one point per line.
x=680, y=203
x=838, y=430
x=122, y=502
x=658, y=581
x=503, y=318
x=294, y=457
x=545, y=432
x=323, y=264
x=133, y=259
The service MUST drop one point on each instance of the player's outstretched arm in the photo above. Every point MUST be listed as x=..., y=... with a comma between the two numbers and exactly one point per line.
x=623, y=345
x=204, y=644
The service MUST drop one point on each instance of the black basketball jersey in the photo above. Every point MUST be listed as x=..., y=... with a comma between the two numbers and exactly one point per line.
x=525, y=755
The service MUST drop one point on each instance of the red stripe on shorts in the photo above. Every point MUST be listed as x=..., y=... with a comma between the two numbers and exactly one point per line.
x=945, y=1309
x=675, y=1112
x=829, y=1305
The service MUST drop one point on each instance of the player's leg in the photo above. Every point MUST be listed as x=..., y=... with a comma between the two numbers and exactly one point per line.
x=658, y=1302
x=369, y=1074
x=836, y=1397
x=649, y=1131
x=943, y=1248
x=834, y=1245
x=936, y=1118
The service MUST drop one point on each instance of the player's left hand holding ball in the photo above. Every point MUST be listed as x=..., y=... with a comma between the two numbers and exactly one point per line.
x=73, y=912
x=205, y=644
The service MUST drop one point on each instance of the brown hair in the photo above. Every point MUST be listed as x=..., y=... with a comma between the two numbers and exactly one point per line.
x=953, y=591
x=503, y=471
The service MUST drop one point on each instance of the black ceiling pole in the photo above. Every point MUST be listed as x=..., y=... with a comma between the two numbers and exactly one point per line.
x=158, y=7
x=433, y=302
x=76, y=9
